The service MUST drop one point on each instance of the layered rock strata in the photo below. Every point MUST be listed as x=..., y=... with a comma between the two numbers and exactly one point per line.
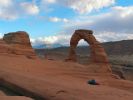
x=16, y=43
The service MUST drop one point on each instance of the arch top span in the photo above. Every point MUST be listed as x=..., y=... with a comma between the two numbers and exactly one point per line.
x=83, y=30
x=97, y=52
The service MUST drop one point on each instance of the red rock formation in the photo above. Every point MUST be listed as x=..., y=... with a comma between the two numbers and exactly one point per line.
x=18, y=39
x=16, y=43
x=97, y=53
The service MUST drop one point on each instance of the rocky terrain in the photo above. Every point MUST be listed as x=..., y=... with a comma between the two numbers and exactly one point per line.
x=120, y=55
x=32, y=78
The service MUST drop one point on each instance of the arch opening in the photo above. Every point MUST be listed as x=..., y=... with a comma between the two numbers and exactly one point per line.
x=83, y=52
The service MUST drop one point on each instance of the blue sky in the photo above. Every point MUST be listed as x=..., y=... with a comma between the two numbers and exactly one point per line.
x=54, y=21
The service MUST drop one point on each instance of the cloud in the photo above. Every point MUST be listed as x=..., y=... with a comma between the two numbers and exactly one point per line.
x=65, y=39
x=82, y=6
x=7, y=10
x=118, y=21
x=88, y=6
x=13, y=9
x=5, y=3
x=56, y=19
x=113, y=36
x=29, y=8
x=48, y=1
x=111, y=26
x=1, y=35
x=59, y=39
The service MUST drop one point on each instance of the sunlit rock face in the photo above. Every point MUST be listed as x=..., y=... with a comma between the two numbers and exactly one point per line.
x=16, y=43
x=97, y=53
x=18, y=39
x=98, y=57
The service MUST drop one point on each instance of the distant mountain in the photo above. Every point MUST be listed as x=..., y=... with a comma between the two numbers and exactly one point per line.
x=47, y=46
x=124, y=47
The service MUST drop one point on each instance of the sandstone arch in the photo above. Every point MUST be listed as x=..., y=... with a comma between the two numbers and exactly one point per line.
x=97, y=53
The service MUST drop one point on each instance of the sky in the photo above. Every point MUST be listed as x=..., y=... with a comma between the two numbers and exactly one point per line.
x=54, y=21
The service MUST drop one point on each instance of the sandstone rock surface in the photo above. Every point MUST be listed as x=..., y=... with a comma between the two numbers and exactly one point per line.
x=18, y=39
x=16, y=43
x=14, y=98
x=56, y=80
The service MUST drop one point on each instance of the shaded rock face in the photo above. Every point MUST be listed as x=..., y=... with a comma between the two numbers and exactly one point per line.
x=97, y=54
x=16, y=43
x=124, y=72
x=127, y=73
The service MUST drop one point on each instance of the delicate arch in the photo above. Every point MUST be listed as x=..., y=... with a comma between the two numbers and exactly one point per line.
x=97, y=53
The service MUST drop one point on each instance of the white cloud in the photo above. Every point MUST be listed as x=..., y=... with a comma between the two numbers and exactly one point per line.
x=29, y=8
x=5, y=3
x=59, y=39
x=118, y=20
x=56, y=19
x=49, y=1
x=13, y=9
x=7, y=15
x=7, y=10
x=113, y=26
x=1, y=35
x=82, y=6
x=123, y=11
x=65, y=39
x=87, y=6
x=130, y=36
x=112, y=36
